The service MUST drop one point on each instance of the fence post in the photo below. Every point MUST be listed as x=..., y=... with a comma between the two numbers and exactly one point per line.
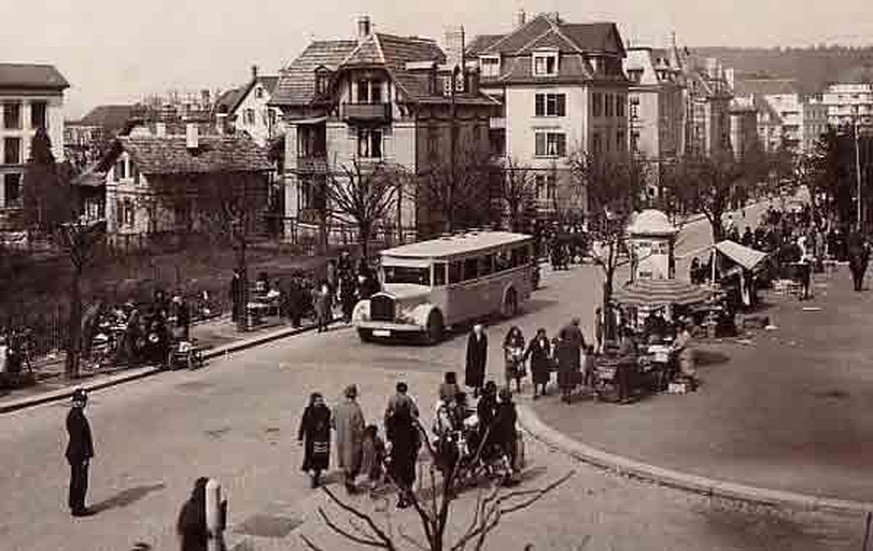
x=215, y=516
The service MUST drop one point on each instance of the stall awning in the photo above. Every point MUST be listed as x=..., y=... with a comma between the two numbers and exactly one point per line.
x=746, y=257
x=661, y=292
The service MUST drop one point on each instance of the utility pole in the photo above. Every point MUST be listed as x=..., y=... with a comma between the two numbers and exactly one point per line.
x=857, y=173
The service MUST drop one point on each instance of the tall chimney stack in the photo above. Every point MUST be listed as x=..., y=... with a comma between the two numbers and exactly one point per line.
x=364, y=27
x=254, y=72
x=520, y=17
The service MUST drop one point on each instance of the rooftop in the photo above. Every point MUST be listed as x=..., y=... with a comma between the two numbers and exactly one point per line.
x=170, y=155
x=458, y=244
x=28, y=75
x=766, y=86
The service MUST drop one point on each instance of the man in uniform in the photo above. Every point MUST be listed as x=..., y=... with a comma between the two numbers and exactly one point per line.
x=80, y=450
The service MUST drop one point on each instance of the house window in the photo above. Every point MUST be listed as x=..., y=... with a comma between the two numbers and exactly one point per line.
x=597, y=143
x=634, y=107
x=620, y=141
x=369, y=91
x=546, y=187
x=249, y=116
x=259, y=92
x=550, y=105
x=12, y=151
x=433, y=141
x=551, y=144
x=540, y=184
x=375, y=92
x=321, y=84
x=12, y=115
x=38, y=115
x=608, y=111
x=619, y=105
x=596, y=104
x=126, y=215
x=272, y=118
x=635, y=142
x=369, y=143
x=490, y=66
x=546, y=64
x=12, y=189
x=120, y=170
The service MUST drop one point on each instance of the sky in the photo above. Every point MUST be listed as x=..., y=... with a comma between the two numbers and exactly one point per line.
x=115, y=51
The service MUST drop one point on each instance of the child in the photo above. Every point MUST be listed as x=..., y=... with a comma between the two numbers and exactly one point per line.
x=373, y=457
x=588, y=367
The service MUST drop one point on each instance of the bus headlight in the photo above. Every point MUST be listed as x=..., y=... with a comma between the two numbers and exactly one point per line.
x=361, y=311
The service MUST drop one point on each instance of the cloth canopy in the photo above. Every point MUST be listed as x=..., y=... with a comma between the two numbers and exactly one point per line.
x=661, y=292
x=746, y=257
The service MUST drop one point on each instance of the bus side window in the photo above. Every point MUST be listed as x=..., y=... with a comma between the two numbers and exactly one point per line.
x=520, y=256
x=471, y=268
x=455, y=272
x=502, y=261
x=439, y=274
x=486, y=264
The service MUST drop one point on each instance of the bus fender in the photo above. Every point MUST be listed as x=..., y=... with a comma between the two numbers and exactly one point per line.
x=361, y=311
x=421, y=312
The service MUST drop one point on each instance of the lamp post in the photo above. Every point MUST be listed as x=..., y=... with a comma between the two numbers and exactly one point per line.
x=857, y=172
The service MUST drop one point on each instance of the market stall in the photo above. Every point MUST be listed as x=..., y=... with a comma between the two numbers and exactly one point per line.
x=736, y=269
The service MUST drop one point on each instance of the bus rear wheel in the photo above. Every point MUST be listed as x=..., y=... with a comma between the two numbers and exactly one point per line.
x=510, y=304
x=435, y=328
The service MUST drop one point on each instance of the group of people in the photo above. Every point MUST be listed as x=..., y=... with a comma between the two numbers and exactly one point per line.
x=360, y=449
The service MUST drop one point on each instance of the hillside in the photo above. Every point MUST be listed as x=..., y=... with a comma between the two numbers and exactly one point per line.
x=813, y=68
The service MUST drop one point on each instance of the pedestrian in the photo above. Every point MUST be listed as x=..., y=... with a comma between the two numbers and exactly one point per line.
x=513, y=352
x=373, y=458
x=324, y=307
x=477, y=356
x=598, y=328
x=859, y=256
x=589, y=367
x=80, y=451
x=403, y=432
x=400, y=398
x=237, y=291
x=685, y=353
x=191, y=525
x=505, y=431
x=567, y=356
x=486, y=410
x=181, y=315
x=539, y=350
x=449, y=387
x=314, y=433
x=348, y=296
x=572, y=336
x=348, y=421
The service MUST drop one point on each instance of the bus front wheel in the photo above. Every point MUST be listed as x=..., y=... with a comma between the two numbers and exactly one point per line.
x=435, y=328
x=510, y=304
x=365, y=335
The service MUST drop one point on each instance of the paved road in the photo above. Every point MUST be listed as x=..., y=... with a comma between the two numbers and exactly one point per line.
x=237, y=420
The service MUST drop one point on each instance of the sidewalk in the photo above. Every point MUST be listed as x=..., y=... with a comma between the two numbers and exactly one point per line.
x=785, y=409
x=217, y=337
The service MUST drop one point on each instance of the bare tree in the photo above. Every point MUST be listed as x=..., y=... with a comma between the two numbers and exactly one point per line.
x=363, y=195
x=433, y=506
x=516, y=190
x=80, y=240
x=615, y=186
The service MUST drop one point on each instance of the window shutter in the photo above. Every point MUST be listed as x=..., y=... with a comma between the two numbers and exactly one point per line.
x=540, y=144
x=561, y=145
x=539, y=105
x=562, y=105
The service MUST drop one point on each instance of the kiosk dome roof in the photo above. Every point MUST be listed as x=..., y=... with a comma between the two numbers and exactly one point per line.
x=652, y=222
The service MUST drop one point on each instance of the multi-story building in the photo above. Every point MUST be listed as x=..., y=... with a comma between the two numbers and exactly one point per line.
x=247, y=109
x=31, y=97
x=377, y=99
x=563, y=91
x=744, y=127
x=86, y=139
x=656, y=109
x=815, y=122
x=708, y=97
x=848, y=102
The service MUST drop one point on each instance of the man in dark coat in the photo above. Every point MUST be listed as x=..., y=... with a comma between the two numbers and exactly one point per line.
x=236, y=293
x=859, y=257
x=572, y=338
x=80, y=450
x=191, y=525
x=477, y=356
x=314, y=433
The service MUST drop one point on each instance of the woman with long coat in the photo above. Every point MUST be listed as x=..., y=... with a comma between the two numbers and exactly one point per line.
x=191, y=524
x=513, y=351
x=477, y=356
x=348, y=421
x=539, y=351
x=405, y=439
x=314, y=433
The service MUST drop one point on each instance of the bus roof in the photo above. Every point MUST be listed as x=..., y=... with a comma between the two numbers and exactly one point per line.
x=456, y=245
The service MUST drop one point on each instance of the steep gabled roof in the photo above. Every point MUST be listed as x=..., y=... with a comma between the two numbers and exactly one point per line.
x=227, y=100
x=545, y=30
x=169, y=155
x=482, y=42
x=268, y=82
x=109, y=117
x=296, y=84
x=594, y=37
x=28, y=75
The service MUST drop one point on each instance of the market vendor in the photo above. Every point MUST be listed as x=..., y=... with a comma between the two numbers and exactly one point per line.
x=685, y=352
x=655, y=328
x=627, y=351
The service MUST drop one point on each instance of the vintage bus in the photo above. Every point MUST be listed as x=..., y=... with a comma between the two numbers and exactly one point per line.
x=432, y=285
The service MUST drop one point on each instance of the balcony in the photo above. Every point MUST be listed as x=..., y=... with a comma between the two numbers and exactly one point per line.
x=497, y=123
x=365, y=112
x=311, y=163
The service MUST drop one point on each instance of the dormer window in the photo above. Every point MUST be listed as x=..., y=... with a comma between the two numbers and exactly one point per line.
x=489, y=66
x=545, y=63
x=635, y=75
x=259, y=92
x=321, y=84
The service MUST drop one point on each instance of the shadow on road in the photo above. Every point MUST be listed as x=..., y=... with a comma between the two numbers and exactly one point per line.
x=127, y=497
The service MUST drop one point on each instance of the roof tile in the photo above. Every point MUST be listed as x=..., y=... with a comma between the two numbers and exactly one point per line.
x=170, y=155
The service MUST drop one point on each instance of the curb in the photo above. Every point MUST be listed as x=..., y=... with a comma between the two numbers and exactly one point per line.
x=531, y=422
x=140, y=373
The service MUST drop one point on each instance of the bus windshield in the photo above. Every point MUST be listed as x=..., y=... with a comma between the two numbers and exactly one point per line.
x=406, y=274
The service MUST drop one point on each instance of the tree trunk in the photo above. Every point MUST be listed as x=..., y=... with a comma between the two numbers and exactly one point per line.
x=364, y=240
x=74, y=327
x=243, y=296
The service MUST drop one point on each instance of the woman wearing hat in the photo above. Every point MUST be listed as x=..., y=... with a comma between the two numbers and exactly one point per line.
x=314, y=433
x=80, y=450
x=348, y=421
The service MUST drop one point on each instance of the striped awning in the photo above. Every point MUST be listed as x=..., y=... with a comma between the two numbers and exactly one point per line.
x=660, y=292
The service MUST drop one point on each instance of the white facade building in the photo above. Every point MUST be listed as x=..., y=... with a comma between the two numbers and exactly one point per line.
x=845, y=102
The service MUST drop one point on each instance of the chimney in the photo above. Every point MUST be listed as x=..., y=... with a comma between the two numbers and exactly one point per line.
x=192, y=136
x=254, y=72
x=730, y=77
x=454, y=45
x=204, y=98
x=520, y=17
x=161, y=129
x=364, y=27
